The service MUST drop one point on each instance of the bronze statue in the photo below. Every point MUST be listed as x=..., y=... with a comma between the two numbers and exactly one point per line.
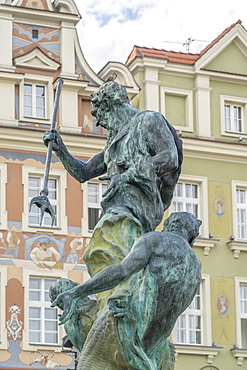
x=142, y=159
x=143, y=279
x=161, y=274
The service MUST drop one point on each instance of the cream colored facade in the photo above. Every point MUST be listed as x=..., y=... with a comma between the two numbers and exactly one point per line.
x=40, y=45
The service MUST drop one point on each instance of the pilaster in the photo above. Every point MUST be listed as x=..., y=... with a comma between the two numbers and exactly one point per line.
x=6, y=21
x=68, y=111
x=67, y=50
x=151, y=83
x=202, y=92
x=7, y=103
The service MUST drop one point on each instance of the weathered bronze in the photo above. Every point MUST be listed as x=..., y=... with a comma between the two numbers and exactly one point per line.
x=143, y=279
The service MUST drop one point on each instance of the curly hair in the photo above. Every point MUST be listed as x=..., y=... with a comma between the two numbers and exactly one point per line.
x=109, y=94
x=186, y=222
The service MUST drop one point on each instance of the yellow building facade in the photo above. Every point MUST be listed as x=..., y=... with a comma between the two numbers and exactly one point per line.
x=204, y=97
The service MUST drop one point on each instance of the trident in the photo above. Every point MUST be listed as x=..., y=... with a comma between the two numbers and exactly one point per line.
x=42, y=200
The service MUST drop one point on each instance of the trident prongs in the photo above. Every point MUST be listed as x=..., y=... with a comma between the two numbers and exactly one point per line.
x=44, y=204
x=42, y=200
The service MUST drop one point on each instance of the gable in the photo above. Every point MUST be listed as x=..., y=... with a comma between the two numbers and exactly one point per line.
x=35, y=4
x=231, y=60
x=36, y=59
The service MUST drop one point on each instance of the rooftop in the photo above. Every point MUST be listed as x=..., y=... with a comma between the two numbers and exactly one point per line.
x=174, y=56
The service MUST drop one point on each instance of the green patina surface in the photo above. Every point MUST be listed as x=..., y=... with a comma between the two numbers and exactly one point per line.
x=143, y=279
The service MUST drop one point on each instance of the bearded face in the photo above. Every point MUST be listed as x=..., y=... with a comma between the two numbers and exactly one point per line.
x=100, y=108
x=103, y=101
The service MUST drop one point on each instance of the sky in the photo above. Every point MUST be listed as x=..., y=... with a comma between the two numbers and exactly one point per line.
x=109, y=29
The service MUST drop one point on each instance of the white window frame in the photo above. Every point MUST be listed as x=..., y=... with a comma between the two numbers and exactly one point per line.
x=3, y=210
x=202, y=183
x=233, y=101
x=206, y=318
x=190, y=311
x=186, y=201
x=55, y=203
x=188, y=95
x=61, y=177
x=49, y=98
x=33, y=96
x=238, y=282
x=237, y=185
x=27, y=274
x=85, y=230
x=3, y=329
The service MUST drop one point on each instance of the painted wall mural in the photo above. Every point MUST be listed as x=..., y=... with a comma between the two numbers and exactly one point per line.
x=42, y=250
x=223, y=310
x=222, y=304
x=44, y=360
x=219, y=206
x=76, y=245
x=27, y=36
x=9, y=248
x=43, y=254
x=45, y=251
x=14, y=326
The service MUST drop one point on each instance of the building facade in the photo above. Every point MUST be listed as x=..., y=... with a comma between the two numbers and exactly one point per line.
x=205, y=97
x=40, y=45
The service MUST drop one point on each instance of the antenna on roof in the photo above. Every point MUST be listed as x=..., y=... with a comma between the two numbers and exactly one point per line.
x=187, y=43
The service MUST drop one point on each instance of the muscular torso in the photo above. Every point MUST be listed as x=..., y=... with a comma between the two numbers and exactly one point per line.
x=177, y=272
x=131, y=153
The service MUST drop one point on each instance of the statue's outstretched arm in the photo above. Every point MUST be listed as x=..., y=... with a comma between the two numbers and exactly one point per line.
x=110, y=276
x=80, y=170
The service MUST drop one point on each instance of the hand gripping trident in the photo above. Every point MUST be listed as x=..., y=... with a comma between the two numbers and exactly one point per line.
x=42, y=200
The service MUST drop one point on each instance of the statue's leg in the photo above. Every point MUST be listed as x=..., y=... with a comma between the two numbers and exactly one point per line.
x=102, y=350
x=111, y=241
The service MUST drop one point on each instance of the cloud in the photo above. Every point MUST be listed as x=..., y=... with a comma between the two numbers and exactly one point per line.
x=105, y=13
x=109, y=30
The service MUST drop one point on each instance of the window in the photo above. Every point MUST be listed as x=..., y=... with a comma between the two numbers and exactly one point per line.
x=32, y=179
x=189, y=325
x=186, y=198
x=193, y=327
x=34, y=101
x=35, y=34
x=241, y=311
x=241, y=213
x=43, y=320
x=177, y=107
x=94, y=198
x=243, y=314
x=34, y=188
x=233, y=118
x=191, y=195
x=233, y=115
x=3, y=330
x=239, y=207
x=36, y=93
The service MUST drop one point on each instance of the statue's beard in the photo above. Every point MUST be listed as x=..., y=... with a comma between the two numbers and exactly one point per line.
x=102, y=124
x=101, y=119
